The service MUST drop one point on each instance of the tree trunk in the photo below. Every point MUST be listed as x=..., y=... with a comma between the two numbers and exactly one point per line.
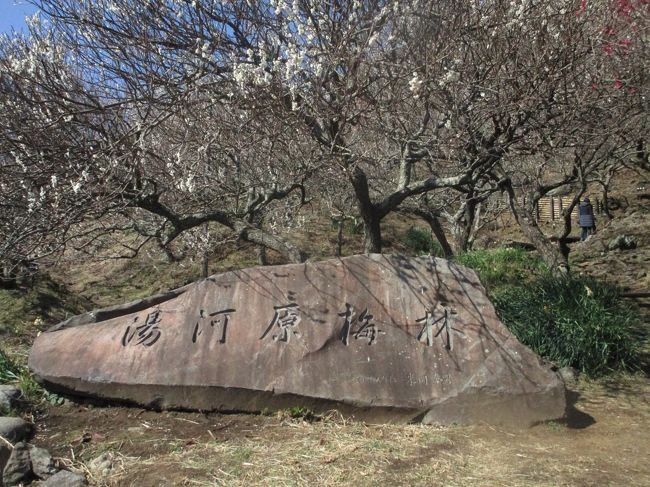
x=439, y=233
x=564, y=239
x=205, y=272
x=462, y=224
x=262, y=258
x=468, y=225
x=258, y=236
x=605, y=185
x=475, y=227
x=339, y=237
x=551, y=254
x=436, y=228
x=205, y=264
x=169, y=255
x=370, y=214
x=372, y=236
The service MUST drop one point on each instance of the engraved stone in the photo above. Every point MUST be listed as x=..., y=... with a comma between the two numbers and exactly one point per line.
x=380, y=337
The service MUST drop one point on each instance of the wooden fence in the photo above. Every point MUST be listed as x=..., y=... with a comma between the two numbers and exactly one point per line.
x=550, y=208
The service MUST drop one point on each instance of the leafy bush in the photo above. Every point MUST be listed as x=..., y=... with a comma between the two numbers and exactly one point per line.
x=572, y=321
x=420, y=241
x=503, y=266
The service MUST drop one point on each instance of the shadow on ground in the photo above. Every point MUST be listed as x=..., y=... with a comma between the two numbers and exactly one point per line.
x=574, y=418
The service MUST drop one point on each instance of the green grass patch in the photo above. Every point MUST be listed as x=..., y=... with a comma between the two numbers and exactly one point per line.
x=25, y=310
x=573, y=321
x=506, y=266
x=13, y=371
x=110, y=283
x=10, y=370
x=420, y=242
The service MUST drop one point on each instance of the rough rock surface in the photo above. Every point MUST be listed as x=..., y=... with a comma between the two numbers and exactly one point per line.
x=65, y=478
x=43, y=464
x=381, y=337
x=568, y=374
x=622, y=242
x=8, y=396
x=18, y=469
x=101, y=466
x=15, y=429
x=5, y=453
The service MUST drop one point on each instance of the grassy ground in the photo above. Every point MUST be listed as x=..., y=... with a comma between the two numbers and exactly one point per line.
x=29, y=308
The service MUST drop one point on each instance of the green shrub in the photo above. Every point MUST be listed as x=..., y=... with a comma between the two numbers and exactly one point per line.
x=420, y=241
x=16, y=373
x=298, y=412
x=572, y=321
x=503, y=266
x=9, y=370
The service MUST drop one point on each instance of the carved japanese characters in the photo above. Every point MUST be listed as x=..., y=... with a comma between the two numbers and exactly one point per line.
x=384, y=337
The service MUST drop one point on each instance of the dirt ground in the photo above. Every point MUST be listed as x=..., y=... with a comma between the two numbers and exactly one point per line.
x=604, y=441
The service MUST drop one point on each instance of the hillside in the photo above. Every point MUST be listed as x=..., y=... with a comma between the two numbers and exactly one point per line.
x=601, y=442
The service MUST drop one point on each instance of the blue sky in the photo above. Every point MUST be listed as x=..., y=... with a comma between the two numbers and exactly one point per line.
x=12, y=14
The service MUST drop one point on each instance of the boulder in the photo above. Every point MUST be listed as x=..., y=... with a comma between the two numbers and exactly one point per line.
x=15, y=429
x=380, y=337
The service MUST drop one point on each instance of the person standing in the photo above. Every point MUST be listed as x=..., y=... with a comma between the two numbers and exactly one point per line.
x=586, y=219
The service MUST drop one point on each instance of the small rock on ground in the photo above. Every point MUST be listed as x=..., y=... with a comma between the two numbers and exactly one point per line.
x=15, y=429
x=102, y=465
x=18, y=469
x=43, y=464
x=8, y=396
x=5, y=453
x=623, y=242
x=65, y=478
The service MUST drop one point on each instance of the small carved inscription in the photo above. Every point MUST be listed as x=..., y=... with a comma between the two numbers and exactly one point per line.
x=361, y=327
x=145, y=334
x=440, y=317
x=217, y=319
x=285, y=321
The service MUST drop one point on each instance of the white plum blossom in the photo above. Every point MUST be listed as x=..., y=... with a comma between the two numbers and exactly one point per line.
x=450, y=76
x=245, y=73
x=415, y=85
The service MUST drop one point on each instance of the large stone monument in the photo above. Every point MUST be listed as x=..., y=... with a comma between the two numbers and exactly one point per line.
x=381, y=337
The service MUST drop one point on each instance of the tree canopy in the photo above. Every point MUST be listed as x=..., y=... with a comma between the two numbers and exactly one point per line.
x=156, y=117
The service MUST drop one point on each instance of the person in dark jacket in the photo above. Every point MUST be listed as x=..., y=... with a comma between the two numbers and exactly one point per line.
x=586, y=219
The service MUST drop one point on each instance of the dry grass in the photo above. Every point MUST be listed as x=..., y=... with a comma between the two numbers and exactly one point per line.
x=276, y=451
x=321, y=453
